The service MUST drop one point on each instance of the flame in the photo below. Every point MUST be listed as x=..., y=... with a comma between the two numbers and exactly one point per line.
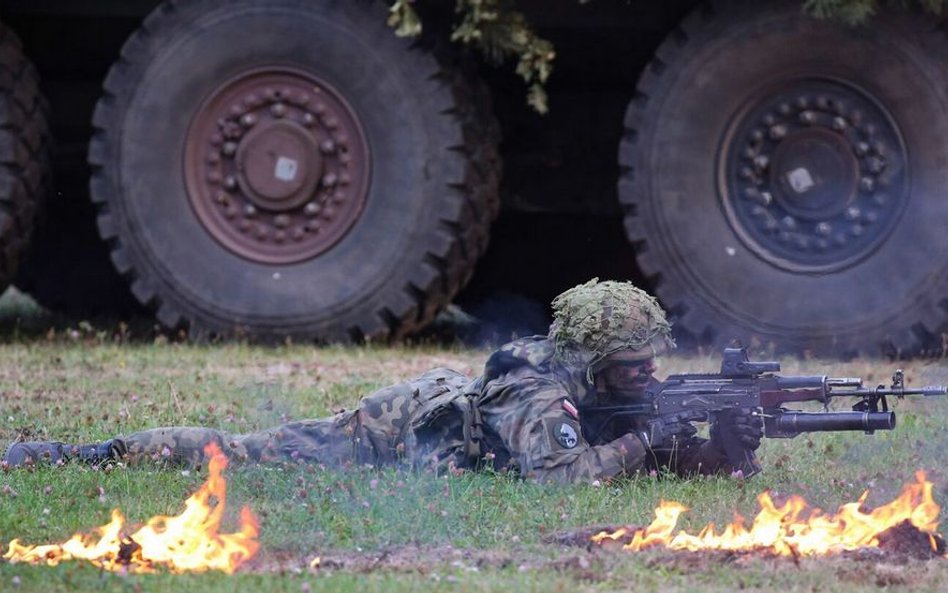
x=783, y=531
x=190, y=541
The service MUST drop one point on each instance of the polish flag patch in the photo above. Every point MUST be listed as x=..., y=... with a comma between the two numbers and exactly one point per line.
x=570, y=409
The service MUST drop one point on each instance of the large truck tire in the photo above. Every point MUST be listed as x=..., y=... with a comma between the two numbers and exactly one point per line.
x=24, y=154
x=786, y=179
x=281, y=168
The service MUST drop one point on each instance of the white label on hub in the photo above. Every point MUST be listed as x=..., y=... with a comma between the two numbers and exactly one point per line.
x=285, y=169
x=800, y=180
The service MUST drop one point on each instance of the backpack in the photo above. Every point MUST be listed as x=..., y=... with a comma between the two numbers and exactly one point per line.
x=445, y=429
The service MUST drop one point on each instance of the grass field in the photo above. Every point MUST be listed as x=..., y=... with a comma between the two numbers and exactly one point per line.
x=391, y=531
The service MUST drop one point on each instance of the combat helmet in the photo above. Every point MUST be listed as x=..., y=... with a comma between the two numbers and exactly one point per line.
x=596, y=319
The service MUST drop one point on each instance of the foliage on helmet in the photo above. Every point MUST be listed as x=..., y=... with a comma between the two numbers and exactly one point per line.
x=596, y=319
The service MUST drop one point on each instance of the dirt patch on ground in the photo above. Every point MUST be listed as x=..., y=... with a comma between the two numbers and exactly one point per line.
x=601, y=566
x=584, y=565
x=904, y=541
x=573, y=554
x=582, y=536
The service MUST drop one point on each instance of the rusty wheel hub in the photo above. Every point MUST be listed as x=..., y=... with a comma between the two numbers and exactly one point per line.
x=276, y=166
x=814, y=177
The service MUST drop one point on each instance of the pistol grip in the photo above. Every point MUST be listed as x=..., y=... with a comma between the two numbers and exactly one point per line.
x=740, y=457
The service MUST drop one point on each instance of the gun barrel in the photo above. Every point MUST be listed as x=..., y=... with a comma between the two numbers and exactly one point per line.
x=899, y=392
x=796, y=422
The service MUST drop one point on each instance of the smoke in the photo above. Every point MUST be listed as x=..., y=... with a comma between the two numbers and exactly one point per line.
x=492, y=321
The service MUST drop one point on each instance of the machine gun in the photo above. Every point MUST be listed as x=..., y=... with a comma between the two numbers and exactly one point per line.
x=754, y=385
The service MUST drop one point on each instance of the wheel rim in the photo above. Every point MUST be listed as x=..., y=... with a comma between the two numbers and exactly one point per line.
x=813, y=177
x=276, y=165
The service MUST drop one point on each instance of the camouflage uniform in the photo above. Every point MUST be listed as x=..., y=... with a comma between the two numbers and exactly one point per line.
x=522, y=414
x=374, y=433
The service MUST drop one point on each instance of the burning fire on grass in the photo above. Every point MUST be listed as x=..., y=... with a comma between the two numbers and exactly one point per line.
x=190, y=541
x=783, y=530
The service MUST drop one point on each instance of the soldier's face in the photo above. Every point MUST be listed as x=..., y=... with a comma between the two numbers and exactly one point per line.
x=626, y=379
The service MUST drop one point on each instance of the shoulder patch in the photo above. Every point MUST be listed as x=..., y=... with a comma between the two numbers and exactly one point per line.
x=571, y=409
x=563, y=434
x=566, y=435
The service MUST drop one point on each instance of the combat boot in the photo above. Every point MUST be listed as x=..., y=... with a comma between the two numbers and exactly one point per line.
x=33, y=452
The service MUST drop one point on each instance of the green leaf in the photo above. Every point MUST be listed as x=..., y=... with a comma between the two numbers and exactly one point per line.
x=403, y=18
x=536, y=98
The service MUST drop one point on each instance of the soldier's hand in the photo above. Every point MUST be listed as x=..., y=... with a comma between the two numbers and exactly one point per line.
x=746, y=427
x=666, y=433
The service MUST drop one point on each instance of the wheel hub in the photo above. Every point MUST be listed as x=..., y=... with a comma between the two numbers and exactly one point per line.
x=814, y=174
x=276, y=166
x=813, y=177
x=279, y=165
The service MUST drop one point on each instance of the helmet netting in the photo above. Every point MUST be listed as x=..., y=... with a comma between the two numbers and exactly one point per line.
x=596, y=319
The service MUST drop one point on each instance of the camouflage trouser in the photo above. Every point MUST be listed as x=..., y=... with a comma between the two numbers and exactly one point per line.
x=374, y=433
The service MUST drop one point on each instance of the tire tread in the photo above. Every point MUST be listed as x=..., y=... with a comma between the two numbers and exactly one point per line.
x=468, y=175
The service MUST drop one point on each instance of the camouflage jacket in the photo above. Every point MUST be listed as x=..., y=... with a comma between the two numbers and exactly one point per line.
x=524, y=414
